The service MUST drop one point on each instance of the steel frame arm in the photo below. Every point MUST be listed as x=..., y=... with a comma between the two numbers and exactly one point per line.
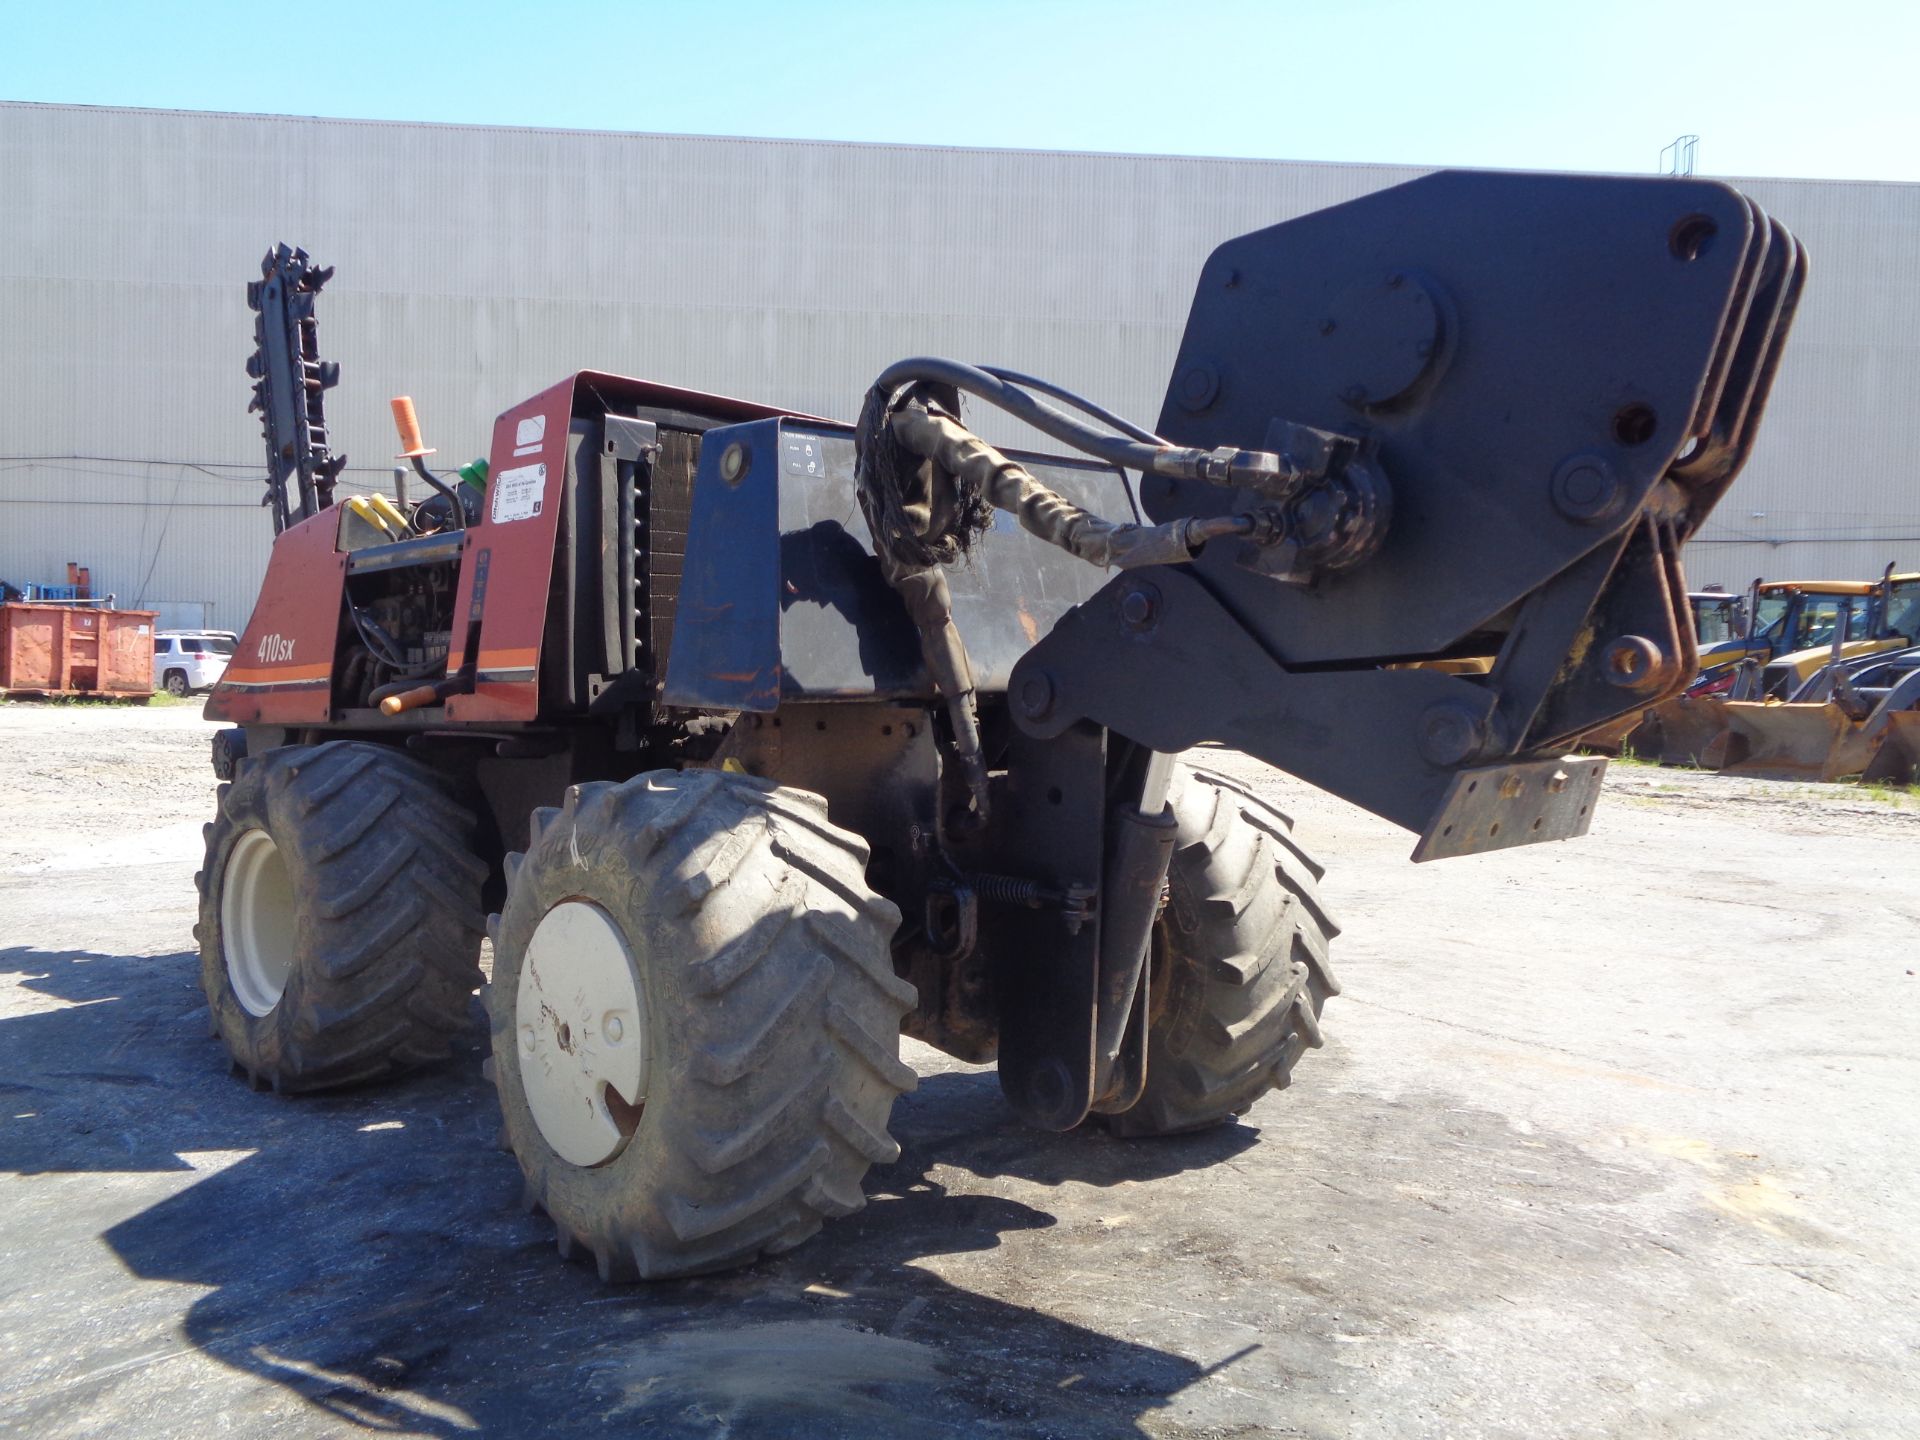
x=1558, y=376
x=290, y=383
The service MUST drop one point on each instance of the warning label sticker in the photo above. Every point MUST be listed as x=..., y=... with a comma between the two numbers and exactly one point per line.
x=517, y=493
x=531, y=436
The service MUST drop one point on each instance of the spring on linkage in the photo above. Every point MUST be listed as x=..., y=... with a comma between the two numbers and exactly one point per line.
x=1009, y=889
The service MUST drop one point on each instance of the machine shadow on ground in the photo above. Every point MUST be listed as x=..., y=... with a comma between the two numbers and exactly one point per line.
x=367, y=1252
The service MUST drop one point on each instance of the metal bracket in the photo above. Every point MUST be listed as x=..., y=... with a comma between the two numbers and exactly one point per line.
x=1497, y=807
x=1048, y=822
x=1156, y=658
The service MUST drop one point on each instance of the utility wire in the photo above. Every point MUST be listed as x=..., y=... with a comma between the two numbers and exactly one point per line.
x=209, y=466
x=166, y=519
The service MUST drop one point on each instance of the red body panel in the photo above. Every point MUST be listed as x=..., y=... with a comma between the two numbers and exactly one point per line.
x=513, y=550
x=519, y=551
x=282, y=672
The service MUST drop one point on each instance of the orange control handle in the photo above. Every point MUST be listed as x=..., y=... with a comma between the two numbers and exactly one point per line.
x=409, y=700
x=408, y=424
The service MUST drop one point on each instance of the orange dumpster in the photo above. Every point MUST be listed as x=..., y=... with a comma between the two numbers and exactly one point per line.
x=75, y=650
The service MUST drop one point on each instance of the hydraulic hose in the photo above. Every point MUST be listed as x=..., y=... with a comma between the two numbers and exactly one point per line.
x=456, y=512
x=1009, y=486
x=1079, y=402
x=1253, y=468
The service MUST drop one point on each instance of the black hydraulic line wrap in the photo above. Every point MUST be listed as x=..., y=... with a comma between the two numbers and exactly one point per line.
x=1273, y=475
x=929, y=603
x=911, y=515
x=928, y=488
x=977, y=469
x=1128, y=454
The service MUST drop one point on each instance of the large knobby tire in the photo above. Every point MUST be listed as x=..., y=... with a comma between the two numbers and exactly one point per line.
x=741, y=923
x=1240, y=959
x=340, y=916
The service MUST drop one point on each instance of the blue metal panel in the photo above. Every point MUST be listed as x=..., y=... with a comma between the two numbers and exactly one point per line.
x=782, y=598
x=726, y=631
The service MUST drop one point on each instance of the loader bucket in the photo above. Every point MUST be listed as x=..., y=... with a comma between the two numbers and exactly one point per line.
x=1897, y=762
x=1797, y=742
x=1686, y=730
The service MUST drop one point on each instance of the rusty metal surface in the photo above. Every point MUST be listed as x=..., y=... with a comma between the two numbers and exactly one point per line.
x=1612, y=737
x=1683, y=731
x=75, y=650
x=1898, y=759
x=1796, y=742
x=1500, y=806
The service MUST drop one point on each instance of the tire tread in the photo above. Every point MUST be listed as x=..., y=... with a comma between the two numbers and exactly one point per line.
x=787, y=1023
x=1243, y=954
x=388, y=883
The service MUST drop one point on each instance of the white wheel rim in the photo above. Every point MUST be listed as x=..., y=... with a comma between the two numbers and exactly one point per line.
x=582, y=1034
x=256, y=922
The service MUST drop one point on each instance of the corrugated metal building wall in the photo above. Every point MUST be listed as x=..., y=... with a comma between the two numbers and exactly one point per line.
x=477, y=266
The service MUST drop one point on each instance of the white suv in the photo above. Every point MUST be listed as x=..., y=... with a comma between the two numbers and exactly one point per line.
x=188, y=660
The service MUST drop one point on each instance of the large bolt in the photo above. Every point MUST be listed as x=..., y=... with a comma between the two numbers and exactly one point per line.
x=1198, y=386
x=1050, y=1094
x=1633, y=662
x=1036, y=695
x=1449, y=734
x=1586, y=489
x=1139, y=607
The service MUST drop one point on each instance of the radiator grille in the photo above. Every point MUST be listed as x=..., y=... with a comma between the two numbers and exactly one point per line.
x=661, y=514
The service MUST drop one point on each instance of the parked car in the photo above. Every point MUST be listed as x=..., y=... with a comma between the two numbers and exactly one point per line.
x=189, y=660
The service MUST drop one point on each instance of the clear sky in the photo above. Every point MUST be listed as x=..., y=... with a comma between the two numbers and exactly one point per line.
x=1771, y=88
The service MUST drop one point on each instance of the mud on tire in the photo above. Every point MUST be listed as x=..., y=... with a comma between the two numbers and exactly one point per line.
x=379, y=892
x=771, y=1017
x=1240, y=961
